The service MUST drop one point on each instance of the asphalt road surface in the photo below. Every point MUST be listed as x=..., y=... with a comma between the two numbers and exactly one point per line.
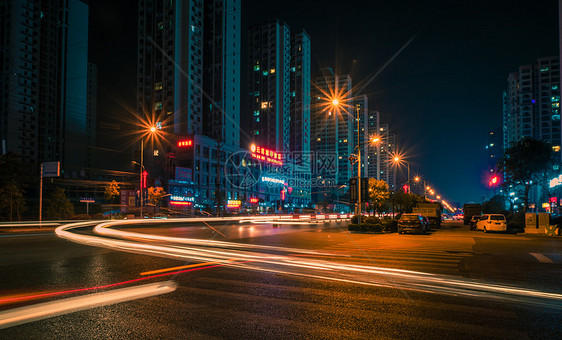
x=264, y=280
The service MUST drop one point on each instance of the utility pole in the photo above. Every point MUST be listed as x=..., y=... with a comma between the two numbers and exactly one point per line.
x=218, y=194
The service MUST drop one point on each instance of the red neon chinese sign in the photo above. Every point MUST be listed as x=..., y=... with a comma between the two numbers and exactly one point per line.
x=254, y=200
x=266, y=155
x=185, y=143
x=144, y=176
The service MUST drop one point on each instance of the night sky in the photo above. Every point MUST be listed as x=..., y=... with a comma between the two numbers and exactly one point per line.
x=441, y=95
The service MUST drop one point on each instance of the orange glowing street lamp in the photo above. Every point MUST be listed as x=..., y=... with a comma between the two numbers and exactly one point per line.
x=398, y=161
x=152, y=131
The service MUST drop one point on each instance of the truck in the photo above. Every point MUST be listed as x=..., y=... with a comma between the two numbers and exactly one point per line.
x=471, y=209
x=431, y=210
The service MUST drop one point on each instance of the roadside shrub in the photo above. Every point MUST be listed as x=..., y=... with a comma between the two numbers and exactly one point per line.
x=363, y=227
x=372, y=220
x=390, y=226
x=354, y=219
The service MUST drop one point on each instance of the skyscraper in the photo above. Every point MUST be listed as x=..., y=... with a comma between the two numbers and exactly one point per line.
x=45, y=76
x=300, y=77
x=387, y=150
x=221, y=71
x=532, y=104
x=373, y=155
x=269, y=56
x=170, y=64
x=332, y=131
x=189, y=85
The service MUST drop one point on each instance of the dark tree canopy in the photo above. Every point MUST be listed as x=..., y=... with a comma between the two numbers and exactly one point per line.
x=525, y=164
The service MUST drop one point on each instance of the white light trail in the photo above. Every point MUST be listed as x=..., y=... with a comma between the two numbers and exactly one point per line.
x=210, y=250
x=40, y=311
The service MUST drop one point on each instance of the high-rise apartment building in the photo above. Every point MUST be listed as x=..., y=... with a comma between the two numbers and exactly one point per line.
x=279, y=87
x=221, y=71
x=387, y=149
x=373, y=158
x=300, y=78
x=46, y=83
x=332, y=132
x=494, y=147
x=269, y=85
x=532, y=104
x=170, y=64
x=189, y=86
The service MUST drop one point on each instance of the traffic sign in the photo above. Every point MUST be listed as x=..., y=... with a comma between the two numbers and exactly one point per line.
x=87, y=200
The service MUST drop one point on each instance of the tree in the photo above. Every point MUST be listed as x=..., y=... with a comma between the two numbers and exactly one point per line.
x=378, y=194
x=111, y=191
x=12, y=200
x=526, y=164
x=496, y=205
x=59, y=206
x=155, y=195
x=405, y=201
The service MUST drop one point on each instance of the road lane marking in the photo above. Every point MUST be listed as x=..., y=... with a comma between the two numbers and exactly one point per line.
x=208, y=225
x=541, y=258
x=158, y=271
x=22, y=315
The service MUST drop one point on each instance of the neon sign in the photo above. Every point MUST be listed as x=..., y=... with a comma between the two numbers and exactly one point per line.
x=233, y=204
x=266, y=155
x=272, y=180
x=181, y=203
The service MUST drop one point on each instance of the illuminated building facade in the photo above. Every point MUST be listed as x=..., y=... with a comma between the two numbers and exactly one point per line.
x=269, y=57
x=188, y=80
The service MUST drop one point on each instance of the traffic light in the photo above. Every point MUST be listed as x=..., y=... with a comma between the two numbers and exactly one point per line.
x=495, y=180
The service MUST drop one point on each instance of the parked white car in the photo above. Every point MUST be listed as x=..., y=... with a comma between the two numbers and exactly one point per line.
x=492, y=222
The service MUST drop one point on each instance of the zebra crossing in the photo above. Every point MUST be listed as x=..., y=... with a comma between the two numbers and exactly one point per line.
x=432, y=254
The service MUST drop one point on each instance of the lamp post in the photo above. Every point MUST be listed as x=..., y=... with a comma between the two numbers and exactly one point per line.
x=336, y=103
x=151, y=130
x=398, y=160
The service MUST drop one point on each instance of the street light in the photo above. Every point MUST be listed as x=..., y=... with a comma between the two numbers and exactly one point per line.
x=152, y=131
x=336, y=104
x=398, y=160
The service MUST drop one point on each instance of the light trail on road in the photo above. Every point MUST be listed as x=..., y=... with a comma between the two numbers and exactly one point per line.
x=209, y=250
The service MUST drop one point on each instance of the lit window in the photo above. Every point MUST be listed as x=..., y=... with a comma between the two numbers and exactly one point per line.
x=265, y=73
x=544, y=68
x=158, y=106
x=555, y=117
x=264, y=105
x=556, y=148
x=272, y=71
x=256, y=113
x=158, y=86
x=345, y=140
x=555, y=99
x=318, y=139
x=156, y=153
x=555, y=87
x=161, y=25
x=256, y=67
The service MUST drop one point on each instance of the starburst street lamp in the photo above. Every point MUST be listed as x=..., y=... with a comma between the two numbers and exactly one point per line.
x=339, y=105
x=151, y=133
x=398, y=160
